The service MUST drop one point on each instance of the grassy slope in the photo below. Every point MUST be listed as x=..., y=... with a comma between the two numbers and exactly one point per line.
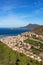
x=35, y=43
x=9, y=57
x=38, y=30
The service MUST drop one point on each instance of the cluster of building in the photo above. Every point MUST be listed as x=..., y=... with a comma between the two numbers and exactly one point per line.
x=31, y=34
x=17, y=43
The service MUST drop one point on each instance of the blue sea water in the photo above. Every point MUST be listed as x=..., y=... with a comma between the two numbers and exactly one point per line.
x=11, y=32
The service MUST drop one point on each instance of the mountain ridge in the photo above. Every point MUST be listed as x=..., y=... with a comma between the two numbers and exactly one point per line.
x=29, y=26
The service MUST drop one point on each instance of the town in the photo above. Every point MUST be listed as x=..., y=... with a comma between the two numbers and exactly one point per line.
x=17, y=44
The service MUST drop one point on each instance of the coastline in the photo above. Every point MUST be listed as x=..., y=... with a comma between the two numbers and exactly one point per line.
x=8, y=32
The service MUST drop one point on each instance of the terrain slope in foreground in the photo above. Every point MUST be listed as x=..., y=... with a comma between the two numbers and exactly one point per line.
x=10, y=57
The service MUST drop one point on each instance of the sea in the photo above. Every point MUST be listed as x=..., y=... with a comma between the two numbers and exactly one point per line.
x=11, y=32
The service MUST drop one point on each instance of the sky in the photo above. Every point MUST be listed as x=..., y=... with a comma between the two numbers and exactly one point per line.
x=18, y=13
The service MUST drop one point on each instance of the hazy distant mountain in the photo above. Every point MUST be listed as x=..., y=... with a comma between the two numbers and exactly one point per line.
x=30, y=26
x=38, y=30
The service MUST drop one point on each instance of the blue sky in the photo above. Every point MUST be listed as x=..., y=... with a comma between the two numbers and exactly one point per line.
x=17, y=13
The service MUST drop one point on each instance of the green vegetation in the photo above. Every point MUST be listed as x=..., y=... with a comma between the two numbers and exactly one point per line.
x=37, y=47
x=39, y=39
x=35, y=43
x=35, y=51
x=10, y=57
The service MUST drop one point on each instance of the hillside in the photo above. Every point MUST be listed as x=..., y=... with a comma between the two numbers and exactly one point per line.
x=10, y=57
x=38, y=30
